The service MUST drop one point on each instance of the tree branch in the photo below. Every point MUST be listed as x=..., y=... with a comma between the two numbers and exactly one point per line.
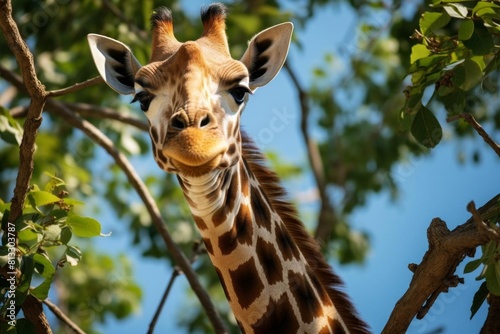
x=197, y=250
x=32, y=308
x=435, y=274
x=121, y=160
x=75, y=87
x=63, y=317
x=479, y=129
x=327, y=217
x=38, y=95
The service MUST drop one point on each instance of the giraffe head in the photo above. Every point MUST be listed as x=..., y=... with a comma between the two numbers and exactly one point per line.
x=193, y=93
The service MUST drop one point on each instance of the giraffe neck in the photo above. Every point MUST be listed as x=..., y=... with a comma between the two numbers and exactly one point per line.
x=267, y=280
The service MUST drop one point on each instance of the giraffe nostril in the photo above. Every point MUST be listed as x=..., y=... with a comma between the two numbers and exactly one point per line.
x=178, y=122
x=205, y=121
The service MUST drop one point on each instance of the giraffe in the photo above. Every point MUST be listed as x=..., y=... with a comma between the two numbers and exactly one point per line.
x=193, y=94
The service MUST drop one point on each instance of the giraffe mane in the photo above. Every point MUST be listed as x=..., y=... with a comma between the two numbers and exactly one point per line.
x=277, y=195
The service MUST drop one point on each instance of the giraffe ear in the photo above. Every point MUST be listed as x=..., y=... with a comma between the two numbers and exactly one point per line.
x=115, y=62
x=267, y=53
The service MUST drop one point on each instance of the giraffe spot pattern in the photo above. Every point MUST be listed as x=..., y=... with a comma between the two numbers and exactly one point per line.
x=200, y=223
x=286, y=244
x=260, y=209
x=278, y=318
x=308, y=303
x=246, y=283
x=269, y=261
x=221, y=214
x=240, y=233
x=336, y=326
x=244, y=181
x=208, y=246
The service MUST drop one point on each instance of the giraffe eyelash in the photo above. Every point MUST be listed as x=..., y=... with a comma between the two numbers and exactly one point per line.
x=144, y=99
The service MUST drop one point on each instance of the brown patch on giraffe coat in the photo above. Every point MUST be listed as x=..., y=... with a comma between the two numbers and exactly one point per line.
x=260, y=209
x=240, y=233
x=208, y=246
x=285, y=243
x=269, y=261
x=278, y=318
x=246, y=283
x=160, y=156
x=224, y=287
x=325, y=330
x=336, y=326
x=200, y=223
x=309, y=305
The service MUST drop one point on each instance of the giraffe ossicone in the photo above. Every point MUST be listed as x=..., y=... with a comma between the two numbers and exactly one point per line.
x=193, y=94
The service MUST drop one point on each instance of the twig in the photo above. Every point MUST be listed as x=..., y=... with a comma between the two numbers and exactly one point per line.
x=75, y=87
x=121, y=160
x=479, y=129
x=436, y=271
x=177, y=271
x=327, y=218
x=480, y=224
x=63, y=317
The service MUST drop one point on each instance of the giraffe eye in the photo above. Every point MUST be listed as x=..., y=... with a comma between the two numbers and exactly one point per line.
x=144, y=99
x=238, y=93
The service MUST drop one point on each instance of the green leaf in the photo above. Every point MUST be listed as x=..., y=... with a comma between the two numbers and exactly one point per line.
x=42, y=198
x=465, y=30
x=473, y=74
x=486, y=9
x=426, y=129
x=493, y=278
x=66, y=235
x=481, y=41
x=73, y=255
x=432, y=21
x=84, y=226
x=43, y=266
x=456, y=10
x=419, y=51
x=472, y=265
x=454, y=102
x=10, y=130
x=479, y=298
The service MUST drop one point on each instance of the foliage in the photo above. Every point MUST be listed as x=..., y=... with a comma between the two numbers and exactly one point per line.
x=359, y=117
x=44, y=232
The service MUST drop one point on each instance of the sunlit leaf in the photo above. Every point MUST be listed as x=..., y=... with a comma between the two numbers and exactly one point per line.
x=73, y=255
x=42, y=198
x=84, y=226
x=432, y=21
x=419, y=51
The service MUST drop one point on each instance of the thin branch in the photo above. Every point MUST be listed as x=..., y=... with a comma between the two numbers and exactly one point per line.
x=63, y=317
x=177, y=271
x=121, y=160
x=479, y=129
x=327, y=218
x=75, y=87
x=93, y=111
x=435, y=274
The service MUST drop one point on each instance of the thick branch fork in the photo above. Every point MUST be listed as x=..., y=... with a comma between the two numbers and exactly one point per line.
x=435, y=274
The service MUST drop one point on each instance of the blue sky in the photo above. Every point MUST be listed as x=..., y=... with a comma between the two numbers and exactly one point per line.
x=434, y=186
